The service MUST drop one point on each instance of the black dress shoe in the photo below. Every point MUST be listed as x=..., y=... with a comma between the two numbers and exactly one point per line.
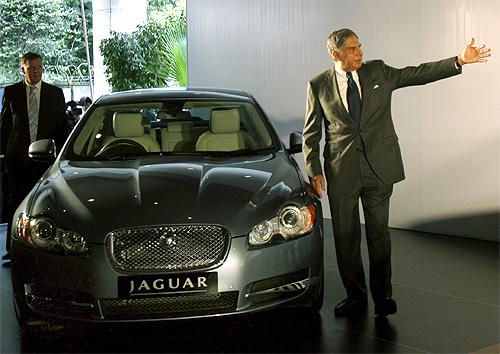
x=386, y=307
x=348, y=307
x=6, y=256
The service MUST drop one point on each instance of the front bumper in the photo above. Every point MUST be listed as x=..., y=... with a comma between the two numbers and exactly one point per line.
x=85, y=289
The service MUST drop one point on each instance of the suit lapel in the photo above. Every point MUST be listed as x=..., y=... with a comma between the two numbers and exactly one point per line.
x=362, y=82
x=328, y=85
x=21, y=93
x=44, y=101
x=22, y=99
x=332, y=91
x=367, y=91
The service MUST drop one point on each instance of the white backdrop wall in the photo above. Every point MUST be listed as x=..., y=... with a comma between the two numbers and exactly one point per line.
x=449, y=131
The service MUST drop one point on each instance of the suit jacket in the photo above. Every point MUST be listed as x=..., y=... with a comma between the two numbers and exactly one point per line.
x=375, y=133
x=14, y=123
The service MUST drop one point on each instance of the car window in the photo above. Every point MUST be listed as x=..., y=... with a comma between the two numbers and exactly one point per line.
x=172, y=126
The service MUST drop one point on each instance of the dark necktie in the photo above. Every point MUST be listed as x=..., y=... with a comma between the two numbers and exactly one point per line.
x=353, y=98
x=32, y=113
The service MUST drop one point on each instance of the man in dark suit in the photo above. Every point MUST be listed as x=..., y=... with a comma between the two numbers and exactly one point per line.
x=362, y=158
x=31, y=110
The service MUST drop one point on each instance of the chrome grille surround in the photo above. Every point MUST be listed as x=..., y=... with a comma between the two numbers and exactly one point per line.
x=164, y=248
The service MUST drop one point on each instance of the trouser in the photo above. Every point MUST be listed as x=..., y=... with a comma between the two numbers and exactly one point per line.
x=344, y=206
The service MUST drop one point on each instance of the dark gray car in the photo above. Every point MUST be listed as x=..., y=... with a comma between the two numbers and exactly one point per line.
x=167, y=205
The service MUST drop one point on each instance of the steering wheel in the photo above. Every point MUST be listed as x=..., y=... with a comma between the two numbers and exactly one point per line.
x=121, y=147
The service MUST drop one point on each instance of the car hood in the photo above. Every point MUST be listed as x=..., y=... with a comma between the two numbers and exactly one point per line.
x=96, y=197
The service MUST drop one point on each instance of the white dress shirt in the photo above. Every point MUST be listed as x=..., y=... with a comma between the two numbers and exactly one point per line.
x=342, y=82
x=38, y=88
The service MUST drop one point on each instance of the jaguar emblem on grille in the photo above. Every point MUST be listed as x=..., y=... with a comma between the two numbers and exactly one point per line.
x=167, y=248
x=168, y=240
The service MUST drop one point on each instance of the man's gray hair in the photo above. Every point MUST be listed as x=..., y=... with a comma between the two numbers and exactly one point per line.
x=337, y=38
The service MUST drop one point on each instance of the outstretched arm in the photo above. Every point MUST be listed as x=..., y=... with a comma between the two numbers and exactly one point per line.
x=472, y=54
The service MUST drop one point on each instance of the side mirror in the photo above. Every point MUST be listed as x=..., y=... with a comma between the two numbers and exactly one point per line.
x=295, y=143
x=43, y=150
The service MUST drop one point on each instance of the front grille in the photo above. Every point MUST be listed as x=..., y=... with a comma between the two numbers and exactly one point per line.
x=167, y=248
x=169, y=307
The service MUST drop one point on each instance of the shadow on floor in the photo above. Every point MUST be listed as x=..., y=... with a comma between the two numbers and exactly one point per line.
x=485, y=226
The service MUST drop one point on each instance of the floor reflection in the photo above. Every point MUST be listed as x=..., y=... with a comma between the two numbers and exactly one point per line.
x=385, y=330
x=266, y=332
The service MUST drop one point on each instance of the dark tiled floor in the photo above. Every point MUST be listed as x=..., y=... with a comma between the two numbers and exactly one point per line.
x=447, y=290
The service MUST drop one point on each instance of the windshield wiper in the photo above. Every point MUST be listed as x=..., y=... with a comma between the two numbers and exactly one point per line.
x=121, y=157
x=242, y=152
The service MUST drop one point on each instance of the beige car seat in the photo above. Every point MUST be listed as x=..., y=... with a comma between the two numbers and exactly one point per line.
x=128, y=126
x=224, y=134
x=177, y=137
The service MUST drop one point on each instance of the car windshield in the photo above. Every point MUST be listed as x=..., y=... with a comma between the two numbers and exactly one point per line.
x=187, y=126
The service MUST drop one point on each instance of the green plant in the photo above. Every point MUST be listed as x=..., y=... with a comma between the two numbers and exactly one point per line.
x=122, y=58
x=174, y=44
x=52, y=28
x=154, y=55
x=178, y=70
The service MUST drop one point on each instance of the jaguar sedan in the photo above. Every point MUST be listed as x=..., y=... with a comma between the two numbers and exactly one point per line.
x=164, y=205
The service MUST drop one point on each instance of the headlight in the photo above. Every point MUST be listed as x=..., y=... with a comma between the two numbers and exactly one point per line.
x=73, y=242
x=42, y=232
x=292, y=221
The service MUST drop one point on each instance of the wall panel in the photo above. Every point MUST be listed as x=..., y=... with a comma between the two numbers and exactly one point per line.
x=449, y=131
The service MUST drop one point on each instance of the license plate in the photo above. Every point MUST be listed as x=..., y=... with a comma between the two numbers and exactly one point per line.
x=167, y=284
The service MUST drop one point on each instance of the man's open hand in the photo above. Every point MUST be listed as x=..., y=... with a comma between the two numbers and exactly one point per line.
x=473, y=54
x=319, y=184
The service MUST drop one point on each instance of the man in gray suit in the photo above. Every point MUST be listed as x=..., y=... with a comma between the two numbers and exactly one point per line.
x=362, y=158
